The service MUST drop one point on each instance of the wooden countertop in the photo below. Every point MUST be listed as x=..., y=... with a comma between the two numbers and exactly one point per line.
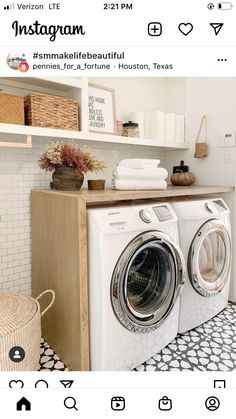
x=109, y=195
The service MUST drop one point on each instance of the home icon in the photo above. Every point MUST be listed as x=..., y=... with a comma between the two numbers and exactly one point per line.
x=23, y=404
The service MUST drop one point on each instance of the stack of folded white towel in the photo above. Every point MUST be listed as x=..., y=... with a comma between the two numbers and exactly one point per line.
x=139, y=174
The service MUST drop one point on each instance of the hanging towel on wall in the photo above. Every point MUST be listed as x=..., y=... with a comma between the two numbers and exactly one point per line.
x=139, y=163
x=142, y=185
x=151, y=173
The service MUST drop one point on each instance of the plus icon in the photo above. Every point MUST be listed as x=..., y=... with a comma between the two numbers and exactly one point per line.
x=154, y=29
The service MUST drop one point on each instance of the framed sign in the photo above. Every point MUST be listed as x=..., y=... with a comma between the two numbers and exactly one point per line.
x=102, y=111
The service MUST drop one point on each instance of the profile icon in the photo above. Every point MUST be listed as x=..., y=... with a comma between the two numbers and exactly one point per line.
x=212, y=403
x=17, y=354
x=16, y=60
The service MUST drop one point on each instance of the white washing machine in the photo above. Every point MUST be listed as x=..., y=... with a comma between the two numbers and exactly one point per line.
x=205, y=239
x=136, y=272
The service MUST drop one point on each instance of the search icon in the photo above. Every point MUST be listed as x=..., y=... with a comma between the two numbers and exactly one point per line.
x=70, y=403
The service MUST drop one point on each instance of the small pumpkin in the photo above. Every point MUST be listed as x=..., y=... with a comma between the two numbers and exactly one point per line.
x=182, y=176
x=183, y=179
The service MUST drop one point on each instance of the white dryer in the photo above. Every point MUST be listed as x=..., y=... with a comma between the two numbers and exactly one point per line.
x=205, y=239
x=136, y=272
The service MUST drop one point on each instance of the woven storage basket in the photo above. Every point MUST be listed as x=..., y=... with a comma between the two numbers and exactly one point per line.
x=20, y=325
x=11, y=109
x=49, y=111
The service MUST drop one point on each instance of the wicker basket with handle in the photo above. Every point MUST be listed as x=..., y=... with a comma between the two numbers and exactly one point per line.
x=50, y=111
x=20, y=325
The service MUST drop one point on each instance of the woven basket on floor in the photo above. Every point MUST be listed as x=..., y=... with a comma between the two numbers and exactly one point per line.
x=49, y=111
x=20, y=325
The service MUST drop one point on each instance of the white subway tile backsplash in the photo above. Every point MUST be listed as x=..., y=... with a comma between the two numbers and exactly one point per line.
x=15, y=289
x=15, y=277
x=24, y=274
x=7, y=258
x=5, y=244
x=19, y=243
x=5, y=286
x=19, y=230
x=8, y=271
x=13, y=264
x=7, y=218
x=19, y=282
x=3, y=252
x=13, y=250
x=19, y=269
x=19, y=173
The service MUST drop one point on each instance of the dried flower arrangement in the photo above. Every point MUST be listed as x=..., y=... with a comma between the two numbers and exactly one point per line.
x=59, y=154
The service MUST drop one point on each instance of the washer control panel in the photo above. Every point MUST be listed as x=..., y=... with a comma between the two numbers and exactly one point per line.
x=163, y=213
x=146, y=216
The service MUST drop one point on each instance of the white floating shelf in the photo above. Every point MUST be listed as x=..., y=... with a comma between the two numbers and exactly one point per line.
x=62, y=84
x=84, y=136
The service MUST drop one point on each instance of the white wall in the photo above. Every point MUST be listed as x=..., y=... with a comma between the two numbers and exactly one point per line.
x=145, y=94
x=215, y=97
x=175, y=94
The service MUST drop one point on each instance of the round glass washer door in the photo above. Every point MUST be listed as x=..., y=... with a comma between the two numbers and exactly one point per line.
x=209, y=258
x=146, y=281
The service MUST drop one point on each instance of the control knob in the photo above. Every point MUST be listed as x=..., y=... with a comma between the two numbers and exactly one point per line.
x=146, y=216
x=209, y=207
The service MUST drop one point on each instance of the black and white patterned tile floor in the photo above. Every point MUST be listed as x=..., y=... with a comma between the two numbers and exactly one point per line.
x=209, y=347
x=49, y=360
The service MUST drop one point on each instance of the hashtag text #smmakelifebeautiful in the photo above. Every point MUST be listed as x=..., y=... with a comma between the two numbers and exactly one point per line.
x=37, y=29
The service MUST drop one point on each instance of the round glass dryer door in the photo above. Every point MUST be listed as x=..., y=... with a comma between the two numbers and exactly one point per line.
x=146, y=281
x=209, y=258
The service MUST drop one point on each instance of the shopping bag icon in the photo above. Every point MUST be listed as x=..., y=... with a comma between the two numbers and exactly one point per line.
x=165, y=403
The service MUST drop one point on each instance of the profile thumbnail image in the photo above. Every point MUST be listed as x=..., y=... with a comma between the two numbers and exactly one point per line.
x=16, y=60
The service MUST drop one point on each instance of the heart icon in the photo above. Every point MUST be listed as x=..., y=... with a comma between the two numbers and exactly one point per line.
x=16, y=384
x=185, y=28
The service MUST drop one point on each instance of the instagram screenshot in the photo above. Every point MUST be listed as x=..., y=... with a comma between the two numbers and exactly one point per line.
x=117, y=208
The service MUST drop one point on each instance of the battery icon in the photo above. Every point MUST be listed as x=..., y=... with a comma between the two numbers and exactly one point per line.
x=225, y=5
